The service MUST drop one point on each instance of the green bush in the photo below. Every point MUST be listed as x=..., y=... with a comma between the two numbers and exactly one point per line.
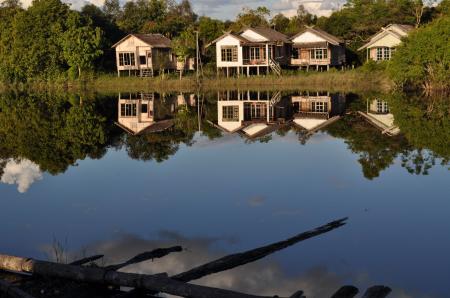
x=423, y=60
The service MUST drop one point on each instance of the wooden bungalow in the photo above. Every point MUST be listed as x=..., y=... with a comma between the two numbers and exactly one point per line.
x=378, y=114
x=252, y=51
x=144, y=54
x=382, y=45
x=136, y=114
x=315, y=47
x=315, y=110
x=251, y=113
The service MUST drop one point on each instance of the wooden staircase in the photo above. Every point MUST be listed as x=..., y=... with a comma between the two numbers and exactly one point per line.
x=145, y=73
x=275, y=99
x=275, y=66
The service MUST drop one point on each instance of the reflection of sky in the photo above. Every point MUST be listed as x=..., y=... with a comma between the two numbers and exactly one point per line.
x=253, y=194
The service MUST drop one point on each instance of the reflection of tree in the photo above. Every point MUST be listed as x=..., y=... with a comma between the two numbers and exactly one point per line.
x=376, y=151
x=50, y=130
x=425, y=122
x=157, y=146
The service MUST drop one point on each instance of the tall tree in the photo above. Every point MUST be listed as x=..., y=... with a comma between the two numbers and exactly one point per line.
x=81, y=43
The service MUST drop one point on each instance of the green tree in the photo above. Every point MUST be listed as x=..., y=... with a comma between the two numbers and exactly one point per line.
x=423, y=60
x=81, y=43
x=251, y=18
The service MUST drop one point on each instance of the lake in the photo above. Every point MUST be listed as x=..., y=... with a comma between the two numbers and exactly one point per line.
x=228, y=171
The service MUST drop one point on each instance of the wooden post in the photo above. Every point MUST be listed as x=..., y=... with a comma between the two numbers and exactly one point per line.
x=257, y=71
x=228, y=72
x=248, y=71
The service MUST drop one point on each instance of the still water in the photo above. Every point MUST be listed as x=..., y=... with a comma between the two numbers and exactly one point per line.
x=228, y=171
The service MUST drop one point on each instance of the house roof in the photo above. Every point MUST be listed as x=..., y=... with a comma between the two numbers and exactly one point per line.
x=325, y=35
x=396, y=30
x=270, y=34
x=154, y=40
x=240, y=38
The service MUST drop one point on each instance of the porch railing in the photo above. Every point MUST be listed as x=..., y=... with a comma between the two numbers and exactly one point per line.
x=255, y=61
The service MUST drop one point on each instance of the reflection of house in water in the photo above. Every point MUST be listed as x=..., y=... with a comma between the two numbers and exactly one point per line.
x=315, y=110
x=252, y=113
x=378, y=114
x=136, y=114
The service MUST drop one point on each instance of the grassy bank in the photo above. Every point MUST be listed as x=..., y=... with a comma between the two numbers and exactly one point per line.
x=347, y=81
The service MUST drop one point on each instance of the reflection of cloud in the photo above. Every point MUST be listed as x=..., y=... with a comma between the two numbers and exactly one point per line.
x=256, y=201
x=21, y=172
x=260, y=278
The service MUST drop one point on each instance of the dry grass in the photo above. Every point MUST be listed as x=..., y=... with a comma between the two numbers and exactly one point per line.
x=347, y=81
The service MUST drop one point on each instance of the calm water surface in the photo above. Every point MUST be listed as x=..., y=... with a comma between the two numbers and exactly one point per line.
x=230, y=171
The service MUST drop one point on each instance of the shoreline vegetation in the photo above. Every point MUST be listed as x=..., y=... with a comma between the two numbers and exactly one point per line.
x=72, y=49
x=339, y=81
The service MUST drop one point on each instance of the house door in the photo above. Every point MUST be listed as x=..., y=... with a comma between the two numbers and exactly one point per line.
x=304, y=54
x=149, y=58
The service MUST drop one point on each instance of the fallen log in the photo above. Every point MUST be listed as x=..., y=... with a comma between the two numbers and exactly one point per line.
x=86, y=260
x=239, y=259
x=346, y=292
x=176, y=285
x=377, y=292
x=11, y=291
x=149, y=255
x=115, y=278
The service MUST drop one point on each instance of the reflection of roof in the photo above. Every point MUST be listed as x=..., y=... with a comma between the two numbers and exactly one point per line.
x=151, y=128
x=314, y=124
x=154, y=40
x=385, y=122
x=325, y=35
x=257, y=130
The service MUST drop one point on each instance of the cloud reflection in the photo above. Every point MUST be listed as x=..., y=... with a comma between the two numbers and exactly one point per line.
x=264, y=277
x=21, y=172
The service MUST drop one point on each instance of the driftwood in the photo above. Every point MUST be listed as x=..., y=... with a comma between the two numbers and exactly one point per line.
x=150, y=255
x=86, y=260
x=377, y=292
x=12, y=291
x=235, y=260
x=346, y=292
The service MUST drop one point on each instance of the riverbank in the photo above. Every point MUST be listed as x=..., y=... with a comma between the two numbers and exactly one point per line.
x=339, y=81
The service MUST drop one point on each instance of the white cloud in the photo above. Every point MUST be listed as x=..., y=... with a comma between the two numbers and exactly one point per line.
x=317, y=7
x=21, y=172
x=227, y=10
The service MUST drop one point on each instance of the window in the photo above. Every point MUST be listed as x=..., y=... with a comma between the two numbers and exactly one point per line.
x=255, y=53
x=229, y=54
x=319, y=54
x=254, y=111
x=230, y=113
x=142, y=60
x=387, y=54
x=382, y=107
x=144, y=108
x=126, y=59
x=383, y=53
x=295, y=53
x=128, y=109
x=319, y=106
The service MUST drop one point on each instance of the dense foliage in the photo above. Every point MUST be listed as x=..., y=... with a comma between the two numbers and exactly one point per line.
x=49, y=40
x=423, y=60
